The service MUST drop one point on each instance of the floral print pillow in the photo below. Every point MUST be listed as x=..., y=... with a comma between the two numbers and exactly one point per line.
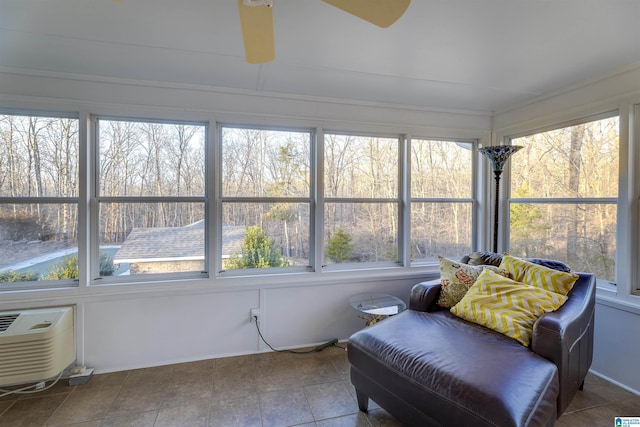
x=456, y=278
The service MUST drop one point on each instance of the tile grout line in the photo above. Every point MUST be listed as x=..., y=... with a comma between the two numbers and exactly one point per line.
x=60, y=405
x=13, y=402
x=115, y=396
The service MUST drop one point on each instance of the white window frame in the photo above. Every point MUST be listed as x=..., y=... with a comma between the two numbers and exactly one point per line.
x=604, y=284
x=222, y=199
x=50, y=284
x=90, y=199
x=631, y=234
x=402, y=222
x=473, y=199
x=97, y=200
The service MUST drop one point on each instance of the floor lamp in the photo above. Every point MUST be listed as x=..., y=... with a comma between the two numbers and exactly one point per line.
x=498, y=154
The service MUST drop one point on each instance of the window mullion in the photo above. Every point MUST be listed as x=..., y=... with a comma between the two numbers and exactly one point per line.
x=318, y=194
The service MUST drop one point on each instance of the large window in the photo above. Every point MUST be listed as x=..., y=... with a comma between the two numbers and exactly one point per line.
x=361, y=199
x=266, y=198
x=38, y=199
x=441, y=199
x=152, y=198
x=564, y=189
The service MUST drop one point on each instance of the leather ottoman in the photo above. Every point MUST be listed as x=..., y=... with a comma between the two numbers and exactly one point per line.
x=436, y=369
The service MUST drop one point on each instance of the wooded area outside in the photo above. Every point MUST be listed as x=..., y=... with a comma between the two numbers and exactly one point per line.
x=152, y=160
x=152, y=175
x=441, y=199
x=579, y=162
x=39, y=186
x=361, y=187
x=266, y=183
x=140, y=165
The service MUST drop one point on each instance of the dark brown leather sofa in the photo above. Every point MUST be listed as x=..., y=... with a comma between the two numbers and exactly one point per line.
x=427, y=367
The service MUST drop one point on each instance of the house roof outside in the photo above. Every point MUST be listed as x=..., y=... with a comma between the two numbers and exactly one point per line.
x=155, y=244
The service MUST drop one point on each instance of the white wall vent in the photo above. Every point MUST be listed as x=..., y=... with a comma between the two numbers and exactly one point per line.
x=35, y=345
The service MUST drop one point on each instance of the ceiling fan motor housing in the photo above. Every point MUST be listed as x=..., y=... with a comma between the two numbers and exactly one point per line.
x=268, y=3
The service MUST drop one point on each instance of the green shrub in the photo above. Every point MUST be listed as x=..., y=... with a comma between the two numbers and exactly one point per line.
x=258, y=251
x=339, y=247
x=67, y=268
x=17, y=276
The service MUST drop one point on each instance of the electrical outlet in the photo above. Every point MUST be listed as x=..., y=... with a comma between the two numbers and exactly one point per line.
x=254, y=314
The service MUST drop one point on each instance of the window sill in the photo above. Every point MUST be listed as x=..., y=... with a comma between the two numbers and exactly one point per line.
x=219, y=284
x=611, y=299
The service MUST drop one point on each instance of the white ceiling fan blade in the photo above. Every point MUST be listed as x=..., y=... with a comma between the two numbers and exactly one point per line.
x=382, y=13
x=257, y=33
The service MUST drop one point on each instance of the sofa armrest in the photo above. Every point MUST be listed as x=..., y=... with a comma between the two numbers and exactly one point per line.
x=424, y=296
x=565, y=337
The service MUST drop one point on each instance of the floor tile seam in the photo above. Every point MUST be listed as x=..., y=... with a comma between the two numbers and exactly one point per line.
x=192, y=402
x=39, y=393
x=587, y=408
x=128, y=414
x=315, y=418
x=251, y=372
x=120, y=385
x=46, y=423
x=115, y=396
x=301, y=388
x=216, y=397
x=155, y=420
x=175, y=387
x=8, y=407
x=306, y=397
x=260, y=410
x=346, y=415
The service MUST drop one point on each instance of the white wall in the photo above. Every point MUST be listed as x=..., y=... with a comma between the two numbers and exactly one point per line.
x=132, y=332
x=121, y=327
x=131, y=326
x=617, y=312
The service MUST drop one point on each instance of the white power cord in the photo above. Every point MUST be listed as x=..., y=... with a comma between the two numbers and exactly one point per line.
x=37, y=387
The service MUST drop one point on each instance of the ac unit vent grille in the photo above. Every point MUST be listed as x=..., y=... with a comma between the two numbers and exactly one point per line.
x=6, y=321
x=30, y=352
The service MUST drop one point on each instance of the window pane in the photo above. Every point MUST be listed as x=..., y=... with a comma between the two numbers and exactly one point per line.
x=145, y=238
x=39, y=156
x=151, y=159
x=35, y=239
x=440, y=229
x=361, y=166
x=361, y=232
x=265, y=163
x=575, y=161
x=262, y=235
x=583, y=235
x=441, y=169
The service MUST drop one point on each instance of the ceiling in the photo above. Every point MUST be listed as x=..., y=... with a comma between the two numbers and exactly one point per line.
x=472, y=55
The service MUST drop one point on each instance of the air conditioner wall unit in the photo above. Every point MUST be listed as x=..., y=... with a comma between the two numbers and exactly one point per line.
x=35, y=345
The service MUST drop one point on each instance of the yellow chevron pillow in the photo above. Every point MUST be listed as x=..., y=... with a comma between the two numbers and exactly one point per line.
x=506, y=306
x=538, y=275
x=456, y=278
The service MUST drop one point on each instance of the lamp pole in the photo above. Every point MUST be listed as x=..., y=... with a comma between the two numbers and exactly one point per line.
x=496, y=211
x=498, y=155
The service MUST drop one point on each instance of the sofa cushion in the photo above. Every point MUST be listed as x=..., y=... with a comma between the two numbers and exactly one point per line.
x=456, y=278
x=506, y=306
x=538, y=275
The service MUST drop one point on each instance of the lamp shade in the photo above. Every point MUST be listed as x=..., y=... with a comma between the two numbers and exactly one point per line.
x=498, y=154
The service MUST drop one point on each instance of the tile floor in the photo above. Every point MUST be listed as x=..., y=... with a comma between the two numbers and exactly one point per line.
x=264, y=390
